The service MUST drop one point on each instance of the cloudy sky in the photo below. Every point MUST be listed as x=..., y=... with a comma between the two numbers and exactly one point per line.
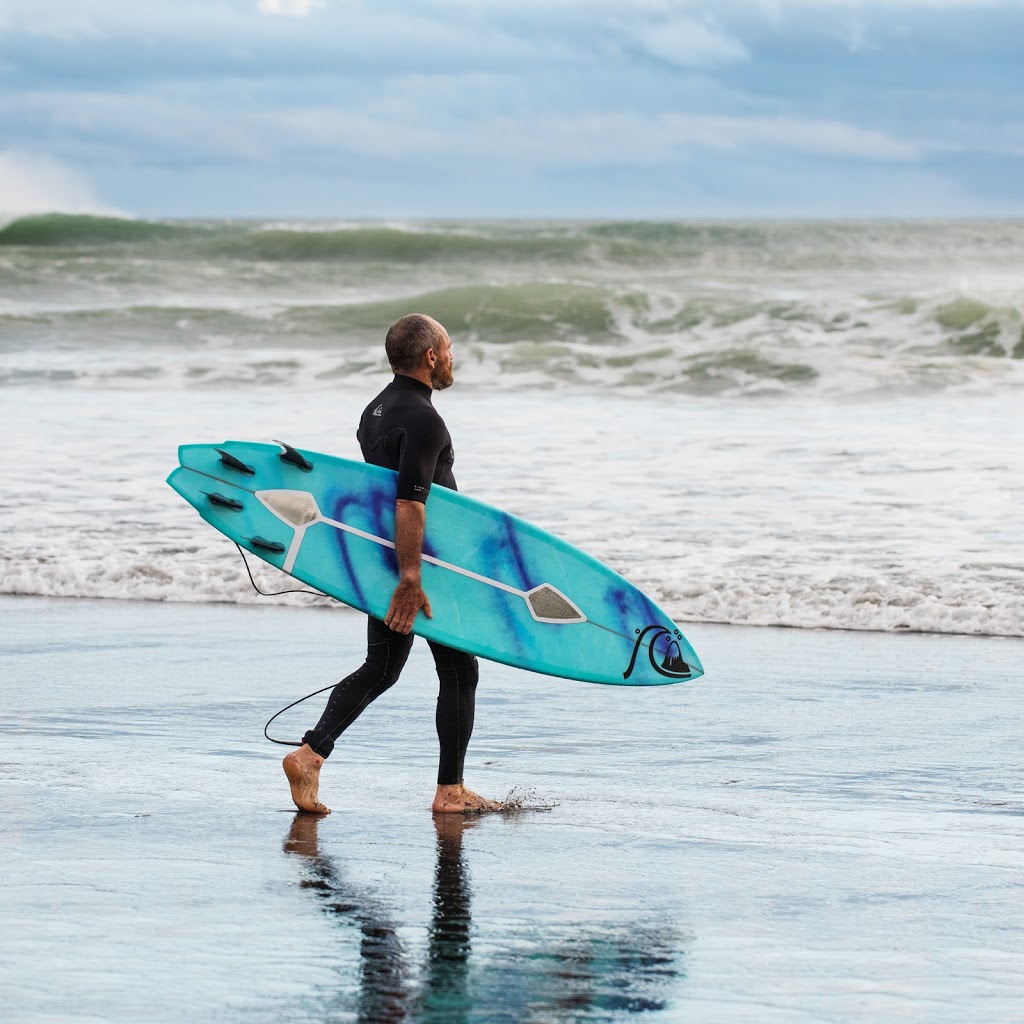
x=398, y=108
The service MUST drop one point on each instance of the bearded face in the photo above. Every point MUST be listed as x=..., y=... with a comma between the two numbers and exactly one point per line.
x=442, y=373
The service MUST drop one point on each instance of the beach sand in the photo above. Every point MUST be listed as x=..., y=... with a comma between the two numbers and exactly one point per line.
x=827, y=827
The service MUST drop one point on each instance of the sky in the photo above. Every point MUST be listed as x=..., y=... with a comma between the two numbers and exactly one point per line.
x=513, y=108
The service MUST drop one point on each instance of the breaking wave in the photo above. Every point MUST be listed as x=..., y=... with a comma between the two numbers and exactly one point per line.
x=544, y=334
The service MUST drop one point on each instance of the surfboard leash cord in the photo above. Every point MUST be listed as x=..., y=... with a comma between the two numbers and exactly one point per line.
x=272, y=593
x=292, y=743
x=278, y=593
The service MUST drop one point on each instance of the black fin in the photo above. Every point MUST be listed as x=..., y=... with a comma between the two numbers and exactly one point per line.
x=232, y=463
x=267, y=545
x=290, y=455
x=220, y=499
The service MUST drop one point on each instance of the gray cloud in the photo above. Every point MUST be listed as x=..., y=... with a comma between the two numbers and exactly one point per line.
x=414, y=97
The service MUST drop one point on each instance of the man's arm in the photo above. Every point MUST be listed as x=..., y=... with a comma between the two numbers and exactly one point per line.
x=408, y=597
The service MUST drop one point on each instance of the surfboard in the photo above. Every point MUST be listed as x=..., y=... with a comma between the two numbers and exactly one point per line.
x=499, y=587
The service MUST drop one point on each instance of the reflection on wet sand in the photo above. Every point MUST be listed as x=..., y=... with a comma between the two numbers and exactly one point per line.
x=557, y=974
x=446, y=990
x=384, y=988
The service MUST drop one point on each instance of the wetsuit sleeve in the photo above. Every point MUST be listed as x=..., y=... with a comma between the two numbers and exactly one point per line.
x=421, y=447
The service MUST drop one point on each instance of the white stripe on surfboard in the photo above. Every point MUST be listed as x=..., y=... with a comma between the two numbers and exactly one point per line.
x=299, y=510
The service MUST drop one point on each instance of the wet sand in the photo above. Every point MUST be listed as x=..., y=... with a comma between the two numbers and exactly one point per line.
x=827, y=827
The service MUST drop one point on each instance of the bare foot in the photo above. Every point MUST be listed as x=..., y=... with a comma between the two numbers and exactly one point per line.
x=459, y=800
x=303, y=770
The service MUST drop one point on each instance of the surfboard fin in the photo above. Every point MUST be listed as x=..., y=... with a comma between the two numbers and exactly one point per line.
x=219, y=499
x=232, y=463
x=294, y=458
x=267, y=545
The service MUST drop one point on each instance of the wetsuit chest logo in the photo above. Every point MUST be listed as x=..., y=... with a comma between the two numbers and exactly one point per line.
x=379, y=410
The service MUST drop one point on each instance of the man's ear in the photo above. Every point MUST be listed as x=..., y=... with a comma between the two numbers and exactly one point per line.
x=431, y=357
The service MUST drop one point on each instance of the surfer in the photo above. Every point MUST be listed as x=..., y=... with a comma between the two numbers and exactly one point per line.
x=401, y=429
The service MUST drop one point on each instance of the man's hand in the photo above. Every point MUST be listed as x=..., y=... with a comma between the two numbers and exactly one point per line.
x=406, y=602
x=408, y=597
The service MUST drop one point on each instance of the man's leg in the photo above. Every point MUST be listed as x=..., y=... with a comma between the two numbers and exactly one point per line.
x=457, y=675
x=386, y=655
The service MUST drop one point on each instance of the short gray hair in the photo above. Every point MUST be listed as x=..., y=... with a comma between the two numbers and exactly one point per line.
x=408, y=338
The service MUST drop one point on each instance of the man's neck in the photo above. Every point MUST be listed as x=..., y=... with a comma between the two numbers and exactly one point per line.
x=423, y=376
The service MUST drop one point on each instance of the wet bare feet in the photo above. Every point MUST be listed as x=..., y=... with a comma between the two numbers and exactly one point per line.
x=459, y=800
x=303, y=770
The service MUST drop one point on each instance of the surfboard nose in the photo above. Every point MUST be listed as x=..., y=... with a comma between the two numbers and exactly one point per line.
x=680, y=648
x=696, y=668
x=675, y=655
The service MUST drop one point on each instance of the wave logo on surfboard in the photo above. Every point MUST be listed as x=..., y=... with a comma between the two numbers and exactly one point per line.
x=662, y=650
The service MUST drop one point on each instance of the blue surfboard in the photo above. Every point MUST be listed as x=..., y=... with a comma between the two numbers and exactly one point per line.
x=499, y=587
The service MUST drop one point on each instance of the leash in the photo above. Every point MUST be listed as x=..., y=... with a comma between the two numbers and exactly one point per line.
x=278, y=593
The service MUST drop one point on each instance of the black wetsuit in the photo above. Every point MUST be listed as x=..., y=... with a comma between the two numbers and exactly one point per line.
x=401, y=429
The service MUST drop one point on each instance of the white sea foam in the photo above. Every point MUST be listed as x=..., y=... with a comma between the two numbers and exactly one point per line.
x=887, y=516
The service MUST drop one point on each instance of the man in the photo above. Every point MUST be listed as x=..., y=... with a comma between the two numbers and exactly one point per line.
x=401, y=429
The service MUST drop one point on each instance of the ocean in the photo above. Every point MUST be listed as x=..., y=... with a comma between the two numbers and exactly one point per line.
x=805, y=424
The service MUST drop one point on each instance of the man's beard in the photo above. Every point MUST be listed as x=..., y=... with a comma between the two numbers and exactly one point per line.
x=442, y=377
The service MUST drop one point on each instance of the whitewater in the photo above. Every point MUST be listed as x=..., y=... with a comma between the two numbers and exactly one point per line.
x=809, y=424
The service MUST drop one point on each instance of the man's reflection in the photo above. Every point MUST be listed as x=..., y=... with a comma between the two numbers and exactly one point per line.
x=558, y=974
x=446, y=994
x=384, y=989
